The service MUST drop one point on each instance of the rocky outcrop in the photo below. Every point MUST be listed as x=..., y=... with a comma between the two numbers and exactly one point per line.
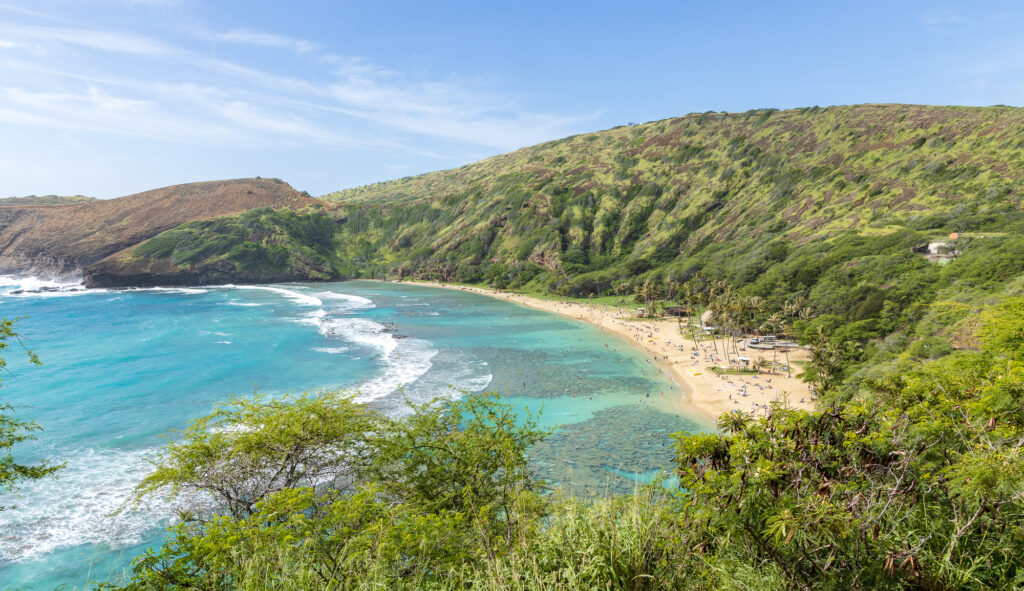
x=63, y=240
x=126, y=270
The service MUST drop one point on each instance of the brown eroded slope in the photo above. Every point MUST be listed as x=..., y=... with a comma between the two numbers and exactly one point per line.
x=62, y=240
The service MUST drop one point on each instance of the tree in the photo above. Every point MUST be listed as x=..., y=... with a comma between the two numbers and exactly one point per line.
x=916, y=483
x=332, y=492
x=250, y=448
x=14, y=431
x=467, y=456
x=650, y=292
x=829, y=359
x=772, y=325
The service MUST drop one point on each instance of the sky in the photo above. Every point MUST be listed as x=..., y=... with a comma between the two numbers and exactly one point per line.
x=112, y=97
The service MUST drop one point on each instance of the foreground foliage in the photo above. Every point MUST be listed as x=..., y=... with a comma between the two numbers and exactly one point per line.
x=14, y=430
x=915, y=483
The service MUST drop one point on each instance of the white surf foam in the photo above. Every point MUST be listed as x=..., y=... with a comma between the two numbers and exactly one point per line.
x=178, y=290
x=360, y=331
x=475, y=379
x=453, y=374
x=351, y=302
x=470, y=374
x=77, y=507
x=31, y=286
x=403, y=361
x=295, y=296
x=330, y=350
x=402, y=367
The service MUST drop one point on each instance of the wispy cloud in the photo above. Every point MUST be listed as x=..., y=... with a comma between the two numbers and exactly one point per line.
x=254, y=100
x=267, y=40
x=265, y=122
x=91, y=39
x=26, y=12
x=88, y=81
x=942, y=19
x=96, y=111
x=446, y=109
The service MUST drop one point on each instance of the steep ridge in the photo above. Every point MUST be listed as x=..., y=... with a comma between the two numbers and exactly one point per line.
x=261, y=245
x=62, y=240
x=825, y=206
x=46, y=200
x=733, y=195
x=668, y=191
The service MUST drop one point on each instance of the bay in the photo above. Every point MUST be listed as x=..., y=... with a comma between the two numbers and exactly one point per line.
x=123, y=367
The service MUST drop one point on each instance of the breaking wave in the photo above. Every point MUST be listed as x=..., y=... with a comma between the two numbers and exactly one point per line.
x=78, y=508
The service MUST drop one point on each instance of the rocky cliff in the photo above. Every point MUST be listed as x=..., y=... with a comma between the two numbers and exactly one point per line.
x=63, y=240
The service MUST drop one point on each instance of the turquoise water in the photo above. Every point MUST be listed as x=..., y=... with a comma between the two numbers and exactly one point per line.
x=123, y=367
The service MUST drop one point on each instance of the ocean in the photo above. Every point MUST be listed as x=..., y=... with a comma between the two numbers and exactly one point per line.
x=123, y=369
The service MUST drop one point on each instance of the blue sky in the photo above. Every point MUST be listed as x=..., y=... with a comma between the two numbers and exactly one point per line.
x=112, y=97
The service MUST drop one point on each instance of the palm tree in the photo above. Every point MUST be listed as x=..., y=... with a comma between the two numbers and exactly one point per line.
x=756, y=305
x=734, y=422
x=621, y=289
x=828, y=359
x=649, y=292
x=689, y=299
x=714, y=306
x=672, y=290
x=771, y=325
x=798, y=308
x=783, y=330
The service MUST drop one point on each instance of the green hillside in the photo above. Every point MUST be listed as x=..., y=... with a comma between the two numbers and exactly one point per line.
x=819, y=207
x=259, y=245
x=888, y=238
x=674, y=191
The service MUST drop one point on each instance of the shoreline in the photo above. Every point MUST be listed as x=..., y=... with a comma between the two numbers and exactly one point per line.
x=702, y=393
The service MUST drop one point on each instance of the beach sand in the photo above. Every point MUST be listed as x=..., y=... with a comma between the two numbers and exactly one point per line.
x=687, y=363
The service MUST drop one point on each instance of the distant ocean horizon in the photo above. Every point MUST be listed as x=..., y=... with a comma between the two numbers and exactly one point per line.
x=123, y=367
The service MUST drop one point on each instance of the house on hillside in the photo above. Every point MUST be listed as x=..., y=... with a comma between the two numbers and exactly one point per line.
x=934, y=251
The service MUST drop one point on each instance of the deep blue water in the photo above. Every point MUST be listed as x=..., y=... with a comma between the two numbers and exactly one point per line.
x=123, y=367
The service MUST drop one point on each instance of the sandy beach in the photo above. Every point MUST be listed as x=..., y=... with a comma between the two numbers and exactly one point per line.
x=687, y=363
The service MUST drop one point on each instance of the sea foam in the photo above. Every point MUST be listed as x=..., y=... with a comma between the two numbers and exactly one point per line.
x=346, y=301
x=30, y=286
x=178, y=290
x=79, y=506
x=295, y=296
x=403, y=361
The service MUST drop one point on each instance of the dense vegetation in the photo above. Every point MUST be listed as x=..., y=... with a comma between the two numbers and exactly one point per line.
x=916, y=483
x=730, y=193
x=807, y=223
x=820, y=206
x=259, y=244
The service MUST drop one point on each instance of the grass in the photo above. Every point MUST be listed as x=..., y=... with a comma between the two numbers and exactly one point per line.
x=732, y=371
